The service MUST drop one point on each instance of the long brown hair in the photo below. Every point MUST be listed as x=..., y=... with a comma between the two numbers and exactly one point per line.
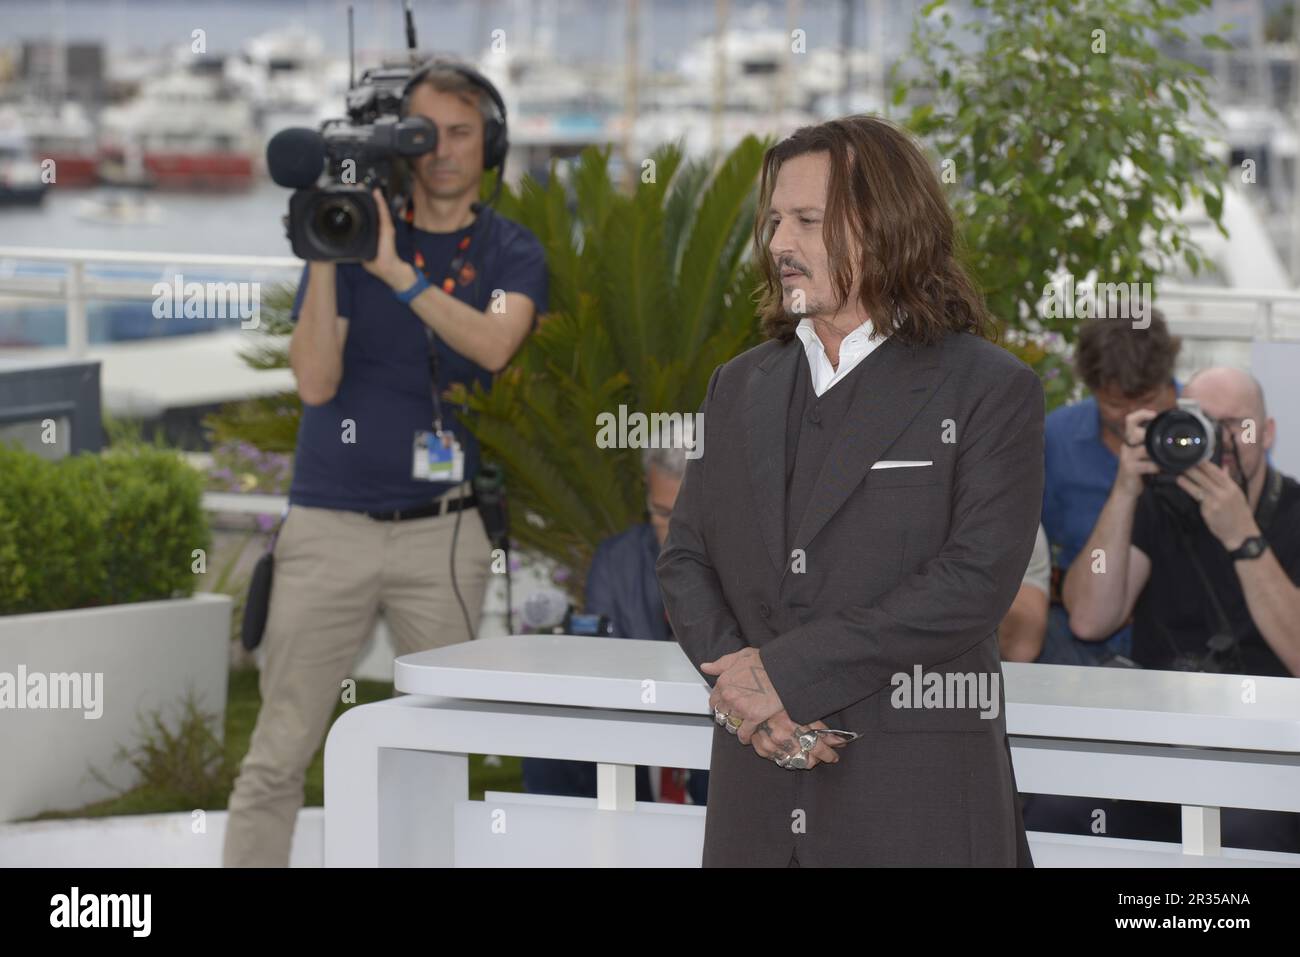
x=885, y=198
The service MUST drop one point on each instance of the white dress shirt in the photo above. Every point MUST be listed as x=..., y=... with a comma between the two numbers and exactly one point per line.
x=855, y=347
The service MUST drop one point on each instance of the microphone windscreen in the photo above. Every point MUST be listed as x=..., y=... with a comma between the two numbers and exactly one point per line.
x=295, y=157
x=545, y=609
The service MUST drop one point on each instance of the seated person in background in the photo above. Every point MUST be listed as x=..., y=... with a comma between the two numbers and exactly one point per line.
x=622, y=585
x=1208, y=568
x=1020, y=636
x=1125, y=369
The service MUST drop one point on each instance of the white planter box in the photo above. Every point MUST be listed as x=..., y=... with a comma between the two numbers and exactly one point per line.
x=148, y=654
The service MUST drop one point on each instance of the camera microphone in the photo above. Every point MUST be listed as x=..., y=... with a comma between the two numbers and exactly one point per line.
x=295, y=157
x=545, y=610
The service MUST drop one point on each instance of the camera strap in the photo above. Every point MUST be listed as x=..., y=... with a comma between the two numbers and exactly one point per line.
x=1268, y=503
x=1269, y=499
x=1225, y=625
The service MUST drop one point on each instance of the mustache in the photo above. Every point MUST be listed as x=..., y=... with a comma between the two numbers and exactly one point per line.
x=783, y=264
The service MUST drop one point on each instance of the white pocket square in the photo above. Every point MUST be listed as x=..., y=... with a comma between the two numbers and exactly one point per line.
x=899, y=464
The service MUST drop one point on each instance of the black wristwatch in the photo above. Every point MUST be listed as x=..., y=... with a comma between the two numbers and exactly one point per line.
x=1252, y=547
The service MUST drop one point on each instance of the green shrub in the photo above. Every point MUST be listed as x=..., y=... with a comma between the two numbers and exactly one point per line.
x=97, y=529
x=179, y=763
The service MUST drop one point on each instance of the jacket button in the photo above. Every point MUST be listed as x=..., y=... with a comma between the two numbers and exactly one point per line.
x=815, y=415
x=763, y=610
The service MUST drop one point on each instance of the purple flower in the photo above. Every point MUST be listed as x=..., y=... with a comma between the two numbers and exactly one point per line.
x=265, y=522
x=1053, y=373
x=560, y=575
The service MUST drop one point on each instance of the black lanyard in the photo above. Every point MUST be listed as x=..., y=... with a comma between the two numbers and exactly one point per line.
x=457, y=269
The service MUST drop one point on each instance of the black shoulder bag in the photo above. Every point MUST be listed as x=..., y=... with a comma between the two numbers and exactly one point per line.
x=257, y=603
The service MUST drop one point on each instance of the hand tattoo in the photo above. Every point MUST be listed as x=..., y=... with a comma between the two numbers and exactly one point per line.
x=785, y=746
x=758, y=687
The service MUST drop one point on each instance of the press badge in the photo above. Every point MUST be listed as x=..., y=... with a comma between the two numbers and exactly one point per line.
x=438, y=457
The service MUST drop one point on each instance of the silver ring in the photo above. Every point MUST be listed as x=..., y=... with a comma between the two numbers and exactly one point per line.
x=807, y=741
x=719, y=717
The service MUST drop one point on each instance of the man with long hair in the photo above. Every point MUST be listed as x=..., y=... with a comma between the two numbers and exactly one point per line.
x=838, y=561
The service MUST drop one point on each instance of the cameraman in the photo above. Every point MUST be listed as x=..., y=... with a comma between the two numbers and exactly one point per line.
x=370, y=528
x=1200, y=570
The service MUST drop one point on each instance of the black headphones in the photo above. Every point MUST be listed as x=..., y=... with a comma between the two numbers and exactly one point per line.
x=496, y=142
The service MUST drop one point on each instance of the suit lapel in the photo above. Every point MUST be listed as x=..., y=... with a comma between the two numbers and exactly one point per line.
x=895, y=384
x=767, y=399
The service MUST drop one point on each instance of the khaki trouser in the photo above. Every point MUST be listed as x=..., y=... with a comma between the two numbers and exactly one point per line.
x=334, y=572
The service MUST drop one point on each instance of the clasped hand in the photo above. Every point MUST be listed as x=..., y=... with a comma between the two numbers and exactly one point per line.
x=744, y=691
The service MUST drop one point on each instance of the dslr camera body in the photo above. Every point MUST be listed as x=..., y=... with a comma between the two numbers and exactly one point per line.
x=1181, y=438
x=333, y=216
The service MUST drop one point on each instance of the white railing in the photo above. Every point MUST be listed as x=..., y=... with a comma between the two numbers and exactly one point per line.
x=1194, y=312
x=245, y=503
x=1210, y=312
x=75, y=288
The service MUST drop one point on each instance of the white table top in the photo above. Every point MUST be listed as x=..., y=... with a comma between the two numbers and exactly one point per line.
x=1056, y=701
x=559, y=669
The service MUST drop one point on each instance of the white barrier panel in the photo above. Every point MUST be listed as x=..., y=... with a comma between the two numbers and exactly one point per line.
x=396, y=772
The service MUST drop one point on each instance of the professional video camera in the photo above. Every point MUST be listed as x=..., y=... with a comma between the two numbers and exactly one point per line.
x=332, y=213
x=1180, y=438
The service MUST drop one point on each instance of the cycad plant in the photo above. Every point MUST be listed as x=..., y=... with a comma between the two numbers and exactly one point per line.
x=649, y=291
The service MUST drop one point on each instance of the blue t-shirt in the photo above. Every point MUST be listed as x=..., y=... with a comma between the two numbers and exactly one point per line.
x=385, y=395
x=1079, y=472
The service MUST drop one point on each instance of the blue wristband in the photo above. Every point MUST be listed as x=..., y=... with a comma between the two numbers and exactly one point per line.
x=407, y=295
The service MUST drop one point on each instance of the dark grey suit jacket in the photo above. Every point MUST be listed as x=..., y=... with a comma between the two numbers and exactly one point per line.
x=902, y=567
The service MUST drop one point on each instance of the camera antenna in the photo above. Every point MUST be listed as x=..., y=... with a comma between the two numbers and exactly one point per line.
x=411, y=46
x=352, y=76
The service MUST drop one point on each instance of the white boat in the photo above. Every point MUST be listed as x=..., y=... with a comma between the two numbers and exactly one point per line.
x=189, y=130
x=62, y=133
x=289, y=80
x=120, y=208
x=21, y=179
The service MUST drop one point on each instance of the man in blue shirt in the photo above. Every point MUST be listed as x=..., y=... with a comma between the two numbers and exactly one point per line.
x=1125, y=369
x=377, y=522
x=622, y=585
